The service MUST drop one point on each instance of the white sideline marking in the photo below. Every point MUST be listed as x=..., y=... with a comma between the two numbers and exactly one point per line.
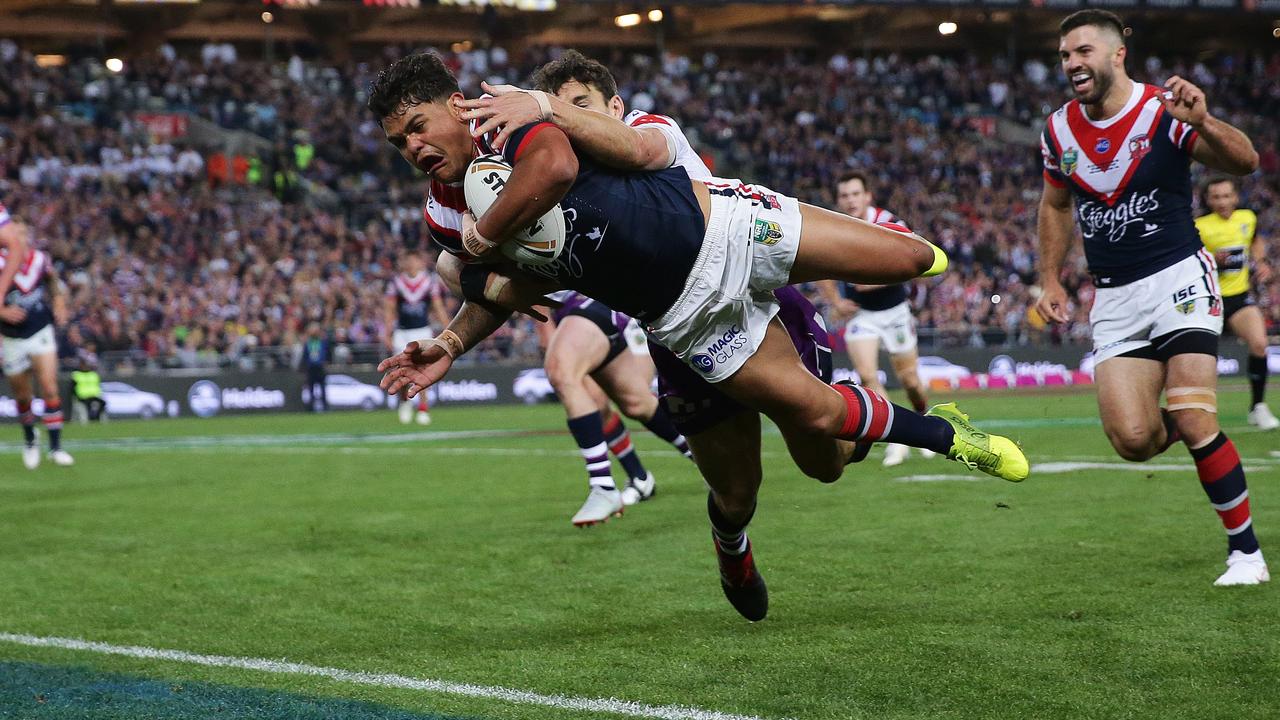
x=562, y=702
x=1058, y=468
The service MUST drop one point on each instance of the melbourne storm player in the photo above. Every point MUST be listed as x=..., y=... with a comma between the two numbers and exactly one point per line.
x=29, y=309
x=589, y=336
x=412, y=301
x=1123, y=150
x=696, y=261
x=1230, y=233
x=877, y=314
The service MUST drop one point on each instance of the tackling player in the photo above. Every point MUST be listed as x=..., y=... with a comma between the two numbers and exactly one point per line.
x=697, y=262
x=1230, y=233
x=412, y=301
x=876, y=314
x=589, y=337
x=1123, y=150
x=27, y=314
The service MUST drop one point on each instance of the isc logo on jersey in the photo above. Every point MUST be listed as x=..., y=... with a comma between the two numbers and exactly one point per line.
x=540, y=243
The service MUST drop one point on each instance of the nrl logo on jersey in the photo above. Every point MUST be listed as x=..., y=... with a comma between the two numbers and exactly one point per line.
x=766, y=232
x=1070, y=161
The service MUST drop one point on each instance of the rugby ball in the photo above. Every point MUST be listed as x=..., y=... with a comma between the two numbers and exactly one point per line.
x=540, y=243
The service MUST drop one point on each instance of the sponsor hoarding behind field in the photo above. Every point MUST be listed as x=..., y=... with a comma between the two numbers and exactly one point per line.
x=238, y=393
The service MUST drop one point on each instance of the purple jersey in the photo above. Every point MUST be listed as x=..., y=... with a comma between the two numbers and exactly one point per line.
x=695, y=404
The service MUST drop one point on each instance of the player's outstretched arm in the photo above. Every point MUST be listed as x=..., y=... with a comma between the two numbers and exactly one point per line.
x=1055, y=228
x=601, y=136
x=1220, y=145
x=419, y=366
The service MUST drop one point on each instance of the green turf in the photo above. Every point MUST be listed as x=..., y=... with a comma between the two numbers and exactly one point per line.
x=1082, y=594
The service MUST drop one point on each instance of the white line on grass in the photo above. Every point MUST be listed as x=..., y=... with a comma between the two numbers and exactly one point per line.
x=1059, y=468
x=522, y=697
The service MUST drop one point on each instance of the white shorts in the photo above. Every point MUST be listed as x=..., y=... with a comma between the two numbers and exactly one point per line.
x=747, y=253
x=895, y=328
x=19, y=351
x=1183, y=296
x=404, y=336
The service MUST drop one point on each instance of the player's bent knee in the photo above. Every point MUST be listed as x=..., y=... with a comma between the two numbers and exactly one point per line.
x=1134, y=443
x=1204, y=399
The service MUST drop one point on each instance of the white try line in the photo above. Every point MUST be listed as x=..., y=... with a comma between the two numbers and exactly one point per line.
x=1060, y=468
x=522, y=697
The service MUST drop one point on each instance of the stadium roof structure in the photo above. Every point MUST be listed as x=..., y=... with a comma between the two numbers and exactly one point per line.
x=339, y=27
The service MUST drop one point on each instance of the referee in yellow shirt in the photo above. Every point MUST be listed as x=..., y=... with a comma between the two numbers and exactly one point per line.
x=1229, y=232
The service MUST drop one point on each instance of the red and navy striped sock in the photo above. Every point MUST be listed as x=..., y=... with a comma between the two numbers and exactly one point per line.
x=1222, y=478
x=28, y=421
x=619, y=440
x=53, y=423
x=869, y=416
x=586, y=430
x=660, y=424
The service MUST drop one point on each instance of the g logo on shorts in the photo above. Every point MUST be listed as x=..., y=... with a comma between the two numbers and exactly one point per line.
x=703, y=362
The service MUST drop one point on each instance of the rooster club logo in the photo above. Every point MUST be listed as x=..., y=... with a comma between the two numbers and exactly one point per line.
x=1139, y=145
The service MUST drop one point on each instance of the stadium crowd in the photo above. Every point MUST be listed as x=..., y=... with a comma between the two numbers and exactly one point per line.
x=185, y=255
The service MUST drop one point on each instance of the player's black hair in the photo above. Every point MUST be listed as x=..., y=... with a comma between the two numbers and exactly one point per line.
x=1104, y=19
x=410, y=81
x=1218, y=180
x=571, y=66
x=854, y=175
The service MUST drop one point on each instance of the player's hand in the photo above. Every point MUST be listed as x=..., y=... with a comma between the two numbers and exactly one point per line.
x=476, y=247
x=12, y=314
x=414, y=369
x=510, y=109
x=59, y=314
x=1052, y=305
x=1185, y=101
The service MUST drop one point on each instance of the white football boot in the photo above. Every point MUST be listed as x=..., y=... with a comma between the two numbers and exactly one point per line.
x=1244, y=569
x=895, y=454
x=406, y=412
x=424, y=417
x=928, y=454
x=639, y=490
x=62, y=458
x=1261, y=417
x=601, y=505
x=31, y=457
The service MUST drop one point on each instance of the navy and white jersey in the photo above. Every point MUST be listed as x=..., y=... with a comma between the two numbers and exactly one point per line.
x=631, y=238
x=31, y=293
x=881, y=298
x=1130, y=175
x=682, y=153
x=413, y=295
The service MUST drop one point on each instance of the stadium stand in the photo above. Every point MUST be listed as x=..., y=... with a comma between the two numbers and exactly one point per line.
x=280, y=203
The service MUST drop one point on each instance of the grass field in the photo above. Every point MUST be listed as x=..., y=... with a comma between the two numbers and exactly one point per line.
x=445, y=554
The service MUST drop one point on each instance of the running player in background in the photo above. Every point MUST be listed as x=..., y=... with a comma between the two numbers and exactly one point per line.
x=589, y=338
x=876, y=314
x=1230, y=233
x=413, y=300
x=34, y=302
x=1123, y=150
x=13, y=243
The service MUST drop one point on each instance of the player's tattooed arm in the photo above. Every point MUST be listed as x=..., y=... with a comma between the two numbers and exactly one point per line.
x=601, y=136
x=1220, y=145
x=545, y=168
x=1056, y=230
